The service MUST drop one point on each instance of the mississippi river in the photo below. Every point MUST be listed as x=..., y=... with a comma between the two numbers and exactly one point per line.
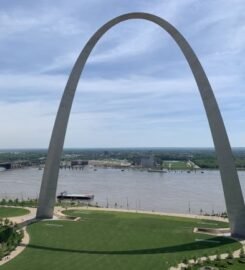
x=178, y=192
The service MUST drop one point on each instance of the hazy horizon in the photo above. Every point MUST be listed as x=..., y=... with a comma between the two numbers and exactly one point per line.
x=116, y=148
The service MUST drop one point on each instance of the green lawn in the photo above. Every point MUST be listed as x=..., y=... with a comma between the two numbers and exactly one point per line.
x=110, y=240
x=6, y=212
x=237, y=266
x=177, y=165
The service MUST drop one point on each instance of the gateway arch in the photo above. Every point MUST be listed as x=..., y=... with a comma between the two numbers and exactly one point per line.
x=230, y=181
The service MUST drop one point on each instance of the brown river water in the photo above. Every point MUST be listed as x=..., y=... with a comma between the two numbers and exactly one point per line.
x=178, y=191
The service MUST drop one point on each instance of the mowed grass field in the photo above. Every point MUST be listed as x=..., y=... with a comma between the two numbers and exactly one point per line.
x=236, y=266
x=177, y=165
x=113, y=240
x=6, y=212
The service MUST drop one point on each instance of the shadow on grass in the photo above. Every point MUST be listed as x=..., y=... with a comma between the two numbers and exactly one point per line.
x=214, y=242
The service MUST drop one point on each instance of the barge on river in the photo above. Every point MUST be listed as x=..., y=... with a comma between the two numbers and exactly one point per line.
x=75, y=197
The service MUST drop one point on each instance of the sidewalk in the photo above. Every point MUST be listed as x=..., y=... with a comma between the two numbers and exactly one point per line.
x=26, y=238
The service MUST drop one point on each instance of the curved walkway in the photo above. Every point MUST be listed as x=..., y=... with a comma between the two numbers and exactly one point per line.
x=25, y=240
x=21, y=219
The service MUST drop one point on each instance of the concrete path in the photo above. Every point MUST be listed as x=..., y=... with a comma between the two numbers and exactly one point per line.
x=26, y=217
x=26, y=238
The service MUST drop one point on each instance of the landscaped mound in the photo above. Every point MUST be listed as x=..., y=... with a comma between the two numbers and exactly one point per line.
x=6, y=212
x=113, y=240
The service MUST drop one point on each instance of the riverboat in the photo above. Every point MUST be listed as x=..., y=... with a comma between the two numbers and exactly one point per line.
x=75, y=197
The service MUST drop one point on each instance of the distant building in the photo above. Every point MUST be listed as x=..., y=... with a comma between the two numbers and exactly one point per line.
x=147, y=162
x=79, y=162
x=114, y=163
x=20, y=164
x=65, y=163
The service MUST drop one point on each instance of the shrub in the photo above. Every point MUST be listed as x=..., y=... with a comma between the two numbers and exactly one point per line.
x=9, y=239
x=205, y=256
x=185, y=261
x=1, y=253
x=6, y=221
x=220, y=264
x=208, y=260
x=218, y=257
x=194, y=258
x=241, y=260
x=199, y=262
x=230, y=262
x=242, y=254
x=223, y=264
x=230, y=255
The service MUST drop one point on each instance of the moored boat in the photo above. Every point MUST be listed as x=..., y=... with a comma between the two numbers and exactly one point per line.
x=75, y=197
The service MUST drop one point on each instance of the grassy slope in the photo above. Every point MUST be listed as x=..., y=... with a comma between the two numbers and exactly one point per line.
x=12, y=212
x=114, y=241
x=237, y=266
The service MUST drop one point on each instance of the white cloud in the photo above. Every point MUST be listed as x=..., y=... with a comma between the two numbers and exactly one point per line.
x=160, y=102
x=49, y=21
x=132, y=39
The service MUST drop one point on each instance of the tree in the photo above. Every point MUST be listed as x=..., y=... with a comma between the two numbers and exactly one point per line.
x=10, y=202
x=3, y=202
x=6, y=221
x=16, y=201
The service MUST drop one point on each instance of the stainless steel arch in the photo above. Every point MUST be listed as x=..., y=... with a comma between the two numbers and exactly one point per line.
x=231, y=185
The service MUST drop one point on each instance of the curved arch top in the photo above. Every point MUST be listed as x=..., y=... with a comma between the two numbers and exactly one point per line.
x=230, y=181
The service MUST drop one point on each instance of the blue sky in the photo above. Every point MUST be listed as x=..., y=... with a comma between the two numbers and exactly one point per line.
x=136, y=90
